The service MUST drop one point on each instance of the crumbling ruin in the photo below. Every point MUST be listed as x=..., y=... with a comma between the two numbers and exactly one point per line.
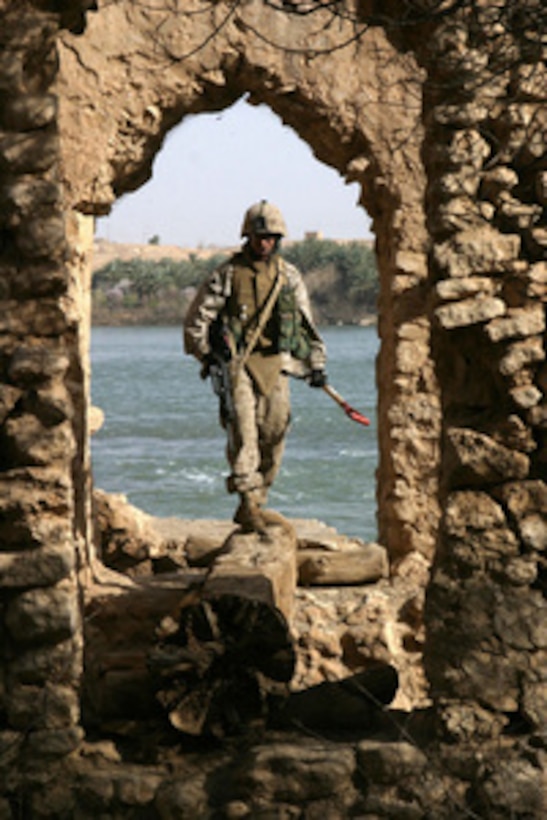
x=438, y=110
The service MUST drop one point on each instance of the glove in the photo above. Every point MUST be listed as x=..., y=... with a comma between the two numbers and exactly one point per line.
x=206, y=363
x=318, y=378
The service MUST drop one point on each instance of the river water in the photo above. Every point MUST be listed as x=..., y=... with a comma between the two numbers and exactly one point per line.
x=162, y=447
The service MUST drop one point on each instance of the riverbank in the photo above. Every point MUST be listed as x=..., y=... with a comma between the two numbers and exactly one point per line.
x=153, y=285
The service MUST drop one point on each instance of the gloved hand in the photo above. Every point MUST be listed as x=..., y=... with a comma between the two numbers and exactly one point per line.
x=318, y=378
x=206, y=363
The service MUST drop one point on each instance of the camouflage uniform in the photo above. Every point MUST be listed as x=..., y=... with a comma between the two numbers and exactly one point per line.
x=237, y=292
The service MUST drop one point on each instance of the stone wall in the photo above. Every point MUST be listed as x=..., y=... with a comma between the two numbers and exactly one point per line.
x=485, y=154
x=461, y=373
x=42, y=400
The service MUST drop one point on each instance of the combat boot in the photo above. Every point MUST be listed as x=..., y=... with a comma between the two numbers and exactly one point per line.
x=249, y=514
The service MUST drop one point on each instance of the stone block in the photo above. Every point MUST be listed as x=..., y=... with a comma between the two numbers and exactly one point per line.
x=468, y=148
x=137, y=789
x=458, y=184
x=25, y=196
x=299, y=772
x=33, y=317
x=477, y=534
x=536, y=242
x=40, y=567
x=9, y=396
x=53, y=404
x=537, y=277
x=40, y=279
x=59, y=663
x=526, y=396
x=476, y=459
x=52, y=743
x=450, y=290
x=10, y=749
x=520, y=620
x=30, y=531
x=29, y=442
x=177, y=799
x=531, y=80
x=526, y=502
x=520, y=354
x=469, y=312
x=465, y=721
x=31, y=153
x=541, y=187
x=537, y=416
x=34, y=363
x=476, y=252
x=461, y=213
x=496, y=181
x=518, y=323
x=382, y=762
x=534, y=699
x=517, y=216
x=34, y=491
x=42, y=238
x=46, y=707
x=28, y=112
x=507, y=786
x=475, y=510
x=513, y=433
x=49, y=615
x=461, y=116
x=491, y=677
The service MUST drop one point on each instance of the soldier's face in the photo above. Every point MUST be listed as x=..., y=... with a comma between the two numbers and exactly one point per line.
x=263, y=245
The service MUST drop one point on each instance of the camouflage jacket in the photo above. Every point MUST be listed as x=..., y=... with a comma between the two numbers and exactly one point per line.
x=213, y=297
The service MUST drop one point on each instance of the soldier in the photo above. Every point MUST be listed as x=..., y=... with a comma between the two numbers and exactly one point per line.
x=250, y=325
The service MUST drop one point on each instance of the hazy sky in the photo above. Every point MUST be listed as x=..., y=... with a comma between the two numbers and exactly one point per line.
x=213, y=166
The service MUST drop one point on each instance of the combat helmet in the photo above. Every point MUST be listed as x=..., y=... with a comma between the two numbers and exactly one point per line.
x=263, y=218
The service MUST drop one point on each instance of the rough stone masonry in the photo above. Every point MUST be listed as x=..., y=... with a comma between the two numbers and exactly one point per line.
x=438, y=112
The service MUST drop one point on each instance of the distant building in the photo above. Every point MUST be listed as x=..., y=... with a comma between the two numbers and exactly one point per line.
x=313, y=235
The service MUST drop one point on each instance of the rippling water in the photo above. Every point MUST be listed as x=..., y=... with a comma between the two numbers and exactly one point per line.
x=162, y=447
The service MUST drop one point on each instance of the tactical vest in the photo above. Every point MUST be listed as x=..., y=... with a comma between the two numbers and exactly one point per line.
x=284, y=331
x=251, y=287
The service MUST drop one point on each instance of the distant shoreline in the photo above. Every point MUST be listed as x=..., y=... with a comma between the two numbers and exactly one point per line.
x=366, y=321
x=125, y=292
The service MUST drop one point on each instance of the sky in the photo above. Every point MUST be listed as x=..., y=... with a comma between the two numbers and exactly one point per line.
x=209, y=170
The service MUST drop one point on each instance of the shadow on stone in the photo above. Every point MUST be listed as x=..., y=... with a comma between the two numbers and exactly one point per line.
x=351, y=704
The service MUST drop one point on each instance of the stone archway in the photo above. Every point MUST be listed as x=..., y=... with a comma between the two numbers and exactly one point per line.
x=484, y=187
x=358, y=108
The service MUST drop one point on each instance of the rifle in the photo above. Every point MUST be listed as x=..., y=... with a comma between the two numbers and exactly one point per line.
x=217, y=366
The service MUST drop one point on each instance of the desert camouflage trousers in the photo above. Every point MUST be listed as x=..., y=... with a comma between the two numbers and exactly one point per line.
x=256, y=435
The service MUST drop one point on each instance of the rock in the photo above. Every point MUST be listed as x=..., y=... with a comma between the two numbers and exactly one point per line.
x=477, y=459
x=95, y=419
x=126, y=536
x=49, y=614
x=42, y=566
x=520, y=354
x=464, y=287
x=390, y=762
x=519, y=323
x=469, y=312
x=475, y=252
x=348, y=566
x=299, y=772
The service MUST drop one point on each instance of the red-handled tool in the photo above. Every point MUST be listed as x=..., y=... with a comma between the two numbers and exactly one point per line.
x=350, y=411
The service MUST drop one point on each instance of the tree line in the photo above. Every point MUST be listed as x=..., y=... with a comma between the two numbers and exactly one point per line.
x=342, y=280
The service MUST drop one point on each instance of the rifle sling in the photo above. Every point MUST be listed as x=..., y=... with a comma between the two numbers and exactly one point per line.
x=262, y=320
